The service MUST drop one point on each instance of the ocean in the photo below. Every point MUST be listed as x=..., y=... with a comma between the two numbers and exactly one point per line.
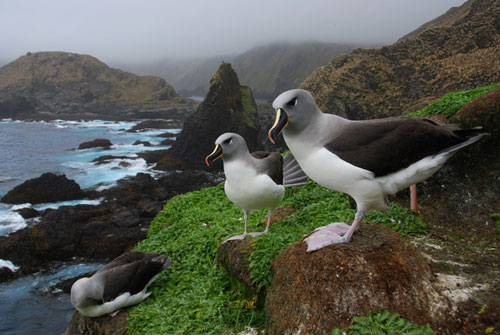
x=29, y=149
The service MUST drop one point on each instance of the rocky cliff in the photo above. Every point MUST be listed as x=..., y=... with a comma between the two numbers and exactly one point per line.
x=64, y=85
x=456, y=51
x=228, y=107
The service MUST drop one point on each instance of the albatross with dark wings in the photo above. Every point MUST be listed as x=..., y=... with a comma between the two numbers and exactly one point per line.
x=366, y=159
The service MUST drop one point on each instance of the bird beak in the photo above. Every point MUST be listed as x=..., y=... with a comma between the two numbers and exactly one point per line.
x=216, y=154
x=282, y=120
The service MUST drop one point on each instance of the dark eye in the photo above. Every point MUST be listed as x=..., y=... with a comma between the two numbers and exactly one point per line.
x=227, y=141
x=292, y=102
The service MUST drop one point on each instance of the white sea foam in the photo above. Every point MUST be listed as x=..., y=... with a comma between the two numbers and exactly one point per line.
x=10, y=221
x=55, y=205
x=9, y=265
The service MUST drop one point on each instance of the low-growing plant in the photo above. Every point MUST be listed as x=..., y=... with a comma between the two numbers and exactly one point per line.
x=194, y=296
x=452, y=102
x=383, y=323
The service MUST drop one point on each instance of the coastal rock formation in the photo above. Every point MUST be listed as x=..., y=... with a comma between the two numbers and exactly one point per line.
x=104, y=325
x=228, y=106
x=60, y=85
x=49, y=187
x=312, y=293
x=97, y=143
x=458, y=50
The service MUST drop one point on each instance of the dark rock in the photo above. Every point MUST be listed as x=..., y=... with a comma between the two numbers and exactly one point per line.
x=107, y=158
x=97, y=143
x=153, y=156
x=151, y=124
x=28, y=212
x=144, y=143
x=83, y=325
x=379, y=270
x=228, y=106
x=167, y=135
x=6, y=274
x=167, y=141
x=234, y=256
x=48, y=187
x=125, y=219
x=189, y=180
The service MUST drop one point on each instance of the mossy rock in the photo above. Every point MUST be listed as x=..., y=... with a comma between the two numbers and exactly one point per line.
x=313, y=293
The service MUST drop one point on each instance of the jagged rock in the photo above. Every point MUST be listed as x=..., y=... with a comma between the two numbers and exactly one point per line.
x=97, y=143
x=228, y=106
x=28, y=212
x=152, y=124
x=456, y=51
x=104, y=325
x=234, y=256
x=49, y=187
x=379, y=270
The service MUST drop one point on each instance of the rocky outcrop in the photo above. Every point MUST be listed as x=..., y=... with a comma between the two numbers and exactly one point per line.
x=104, y=325
x=458, y=51
x=97, y=143
x=59, y=85
x=379, y=270
x=48, y=187
x=228, y=106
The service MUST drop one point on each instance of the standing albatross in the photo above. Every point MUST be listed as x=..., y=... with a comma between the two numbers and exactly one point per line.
x=119, y=284
x=366, y=159
x=256, y=180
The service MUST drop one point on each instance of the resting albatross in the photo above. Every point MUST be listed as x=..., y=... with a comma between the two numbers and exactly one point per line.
x=365, y=159
x=256, y=180
x=119, y=284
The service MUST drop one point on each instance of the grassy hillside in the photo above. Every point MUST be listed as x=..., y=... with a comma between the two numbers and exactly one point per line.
x=194, y=296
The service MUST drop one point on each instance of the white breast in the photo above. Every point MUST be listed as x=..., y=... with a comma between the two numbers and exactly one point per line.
x=249, y=190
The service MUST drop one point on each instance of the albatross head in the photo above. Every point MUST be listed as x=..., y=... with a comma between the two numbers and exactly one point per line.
x=86, y=292
x=229, y=145
x=294, y=110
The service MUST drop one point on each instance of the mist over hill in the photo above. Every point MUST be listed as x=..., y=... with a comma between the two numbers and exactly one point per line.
x=267, y=69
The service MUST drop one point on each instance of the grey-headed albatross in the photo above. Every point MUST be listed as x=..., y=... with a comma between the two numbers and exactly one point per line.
x=254, y=180
x=121, y=283
x=366, y=159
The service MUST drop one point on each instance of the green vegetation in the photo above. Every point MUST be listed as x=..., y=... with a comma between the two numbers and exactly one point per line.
x=383, y=323
x=194, y=296
x=452, y=102
x=496, y=216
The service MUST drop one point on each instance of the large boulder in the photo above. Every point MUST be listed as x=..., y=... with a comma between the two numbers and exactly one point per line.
x=97, y=143
x=104, y=325
x=312, y=293
x=228, y=107
x=49, y=187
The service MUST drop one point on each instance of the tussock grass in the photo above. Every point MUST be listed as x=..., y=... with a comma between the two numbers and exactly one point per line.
x=452, y=102
x=194, y=296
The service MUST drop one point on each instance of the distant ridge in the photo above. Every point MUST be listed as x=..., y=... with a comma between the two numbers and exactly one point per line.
x=61, y=84
x=456, y=51
x=266, y=69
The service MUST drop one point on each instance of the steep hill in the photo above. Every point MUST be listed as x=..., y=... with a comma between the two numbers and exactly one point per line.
x=53, y=84
x=456, y=51
x=267, y=69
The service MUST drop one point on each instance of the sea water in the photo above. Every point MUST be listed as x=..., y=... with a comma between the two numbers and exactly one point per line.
x=29, y=149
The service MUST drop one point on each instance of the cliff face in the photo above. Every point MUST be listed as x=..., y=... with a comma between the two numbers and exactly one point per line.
x=228, y=107
x=60, y=83
x=456, y=51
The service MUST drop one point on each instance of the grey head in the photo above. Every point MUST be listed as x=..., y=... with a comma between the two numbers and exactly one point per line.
x=86, y=292
x=228, y=146
x=295, y=110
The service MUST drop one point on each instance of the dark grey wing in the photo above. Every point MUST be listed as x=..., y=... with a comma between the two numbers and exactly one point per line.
x=127, y=258
x=270, y=163
x=131, y=277
x=292, y=173
x=388, y=145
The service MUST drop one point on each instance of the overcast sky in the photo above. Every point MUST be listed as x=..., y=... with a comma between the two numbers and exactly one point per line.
x=146, y=30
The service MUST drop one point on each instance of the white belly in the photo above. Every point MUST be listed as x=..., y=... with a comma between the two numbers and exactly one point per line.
x=249, y=190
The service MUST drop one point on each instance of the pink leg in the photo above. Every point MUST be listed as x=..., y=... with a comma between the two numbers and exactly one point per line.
x=333, y=233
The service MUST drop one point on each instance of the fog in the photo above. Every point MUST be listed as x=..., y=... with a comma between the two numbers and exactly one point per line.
x=148, y=30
